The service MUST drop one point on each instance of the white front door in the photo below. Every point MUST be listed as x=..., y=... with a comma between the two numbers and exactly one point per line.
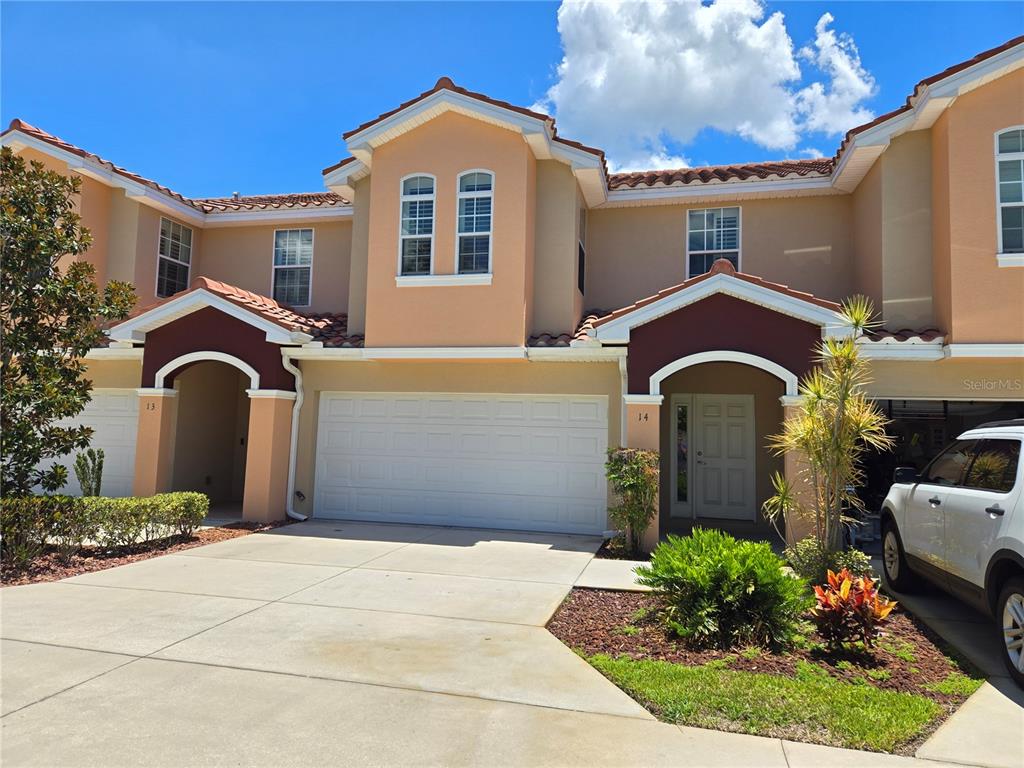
x=527, y=462
x=723, y=457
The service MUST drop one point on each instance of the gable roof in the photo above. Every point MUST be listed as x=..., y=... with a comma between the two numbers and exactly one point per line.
x=615, y=327
x=703, y=174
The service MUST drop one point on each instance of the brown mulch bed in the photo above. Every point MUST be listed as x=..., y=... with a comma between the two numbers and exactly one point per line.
x=613, y=549
x=907, y=657
x=49, y=567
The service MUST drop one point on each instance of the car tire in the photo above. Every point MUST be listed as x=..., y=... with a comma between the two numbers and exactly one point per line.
x=1010, y=623
x=895, y=571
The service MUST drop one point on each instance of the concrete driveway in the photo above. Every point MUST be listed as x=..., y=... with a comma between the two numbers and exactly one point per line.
x=332, y=643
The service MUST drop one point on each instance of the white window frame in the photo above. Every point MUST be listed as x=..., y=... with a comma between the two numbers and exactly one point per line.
x=739, y=236
x=459, y=196
x=402, y=199
x=274, y=266
x=188, y=266
x=1005, y=259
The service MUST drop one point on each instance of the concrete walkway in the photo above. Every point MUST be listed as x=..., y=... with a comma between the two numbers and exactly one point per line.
x=334, y=643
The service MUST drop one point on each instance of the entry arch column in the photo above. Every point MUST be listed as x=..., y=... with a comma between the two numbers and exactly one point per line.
x=268, y=449
x=643, y=430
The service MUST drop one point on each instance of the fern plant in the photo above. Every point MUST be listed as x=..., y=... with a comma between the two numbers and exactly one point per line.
x=89, y=471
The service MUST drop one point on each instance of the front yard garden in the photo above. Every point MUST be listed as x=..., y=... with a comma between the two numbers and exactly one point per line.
x=726, y=644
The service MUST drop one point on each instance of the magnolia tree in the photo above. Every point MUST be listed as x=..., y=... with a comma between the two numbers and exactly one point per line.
x=52, y=312
x=835, y=424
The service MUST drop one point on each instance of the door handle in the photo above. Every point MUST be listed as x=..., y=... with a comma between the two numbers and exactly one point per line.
x=995, y=511
x=935, y=501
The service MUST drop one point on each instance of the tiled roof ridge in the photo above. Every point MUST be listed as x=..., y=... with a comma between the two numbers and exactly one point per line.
x=781, y=168
x=721, y=266
x=216, y=205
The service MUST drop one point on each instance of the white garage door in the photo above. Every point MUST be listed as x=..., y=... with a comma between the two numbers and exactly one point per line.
x=527, y=462
x=114, y=416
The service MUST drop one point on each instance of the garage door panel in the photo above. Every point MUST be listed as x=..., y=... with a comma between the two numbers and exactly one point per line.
x=113, y=415
x=506, y=461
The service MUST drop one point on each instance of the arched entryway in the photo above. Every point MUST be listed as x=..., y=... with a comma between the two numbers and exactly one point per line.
x=715, y=421
x=212, y=434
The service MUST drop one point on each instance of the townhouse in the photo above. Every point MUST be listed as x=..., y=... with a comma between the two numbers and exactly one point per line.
x=475, y=310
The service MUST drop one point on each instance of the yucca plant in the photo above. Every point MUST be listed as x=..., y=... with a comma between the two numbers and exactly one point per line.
x=837, y=423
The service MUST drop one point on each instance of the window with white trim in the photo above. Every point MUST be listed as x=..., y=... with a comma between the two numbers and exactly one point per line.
x=293, y=266
x=417, y=229
x=712, y=234
x=1010, y=180
x=476, y=190
x=175, y=258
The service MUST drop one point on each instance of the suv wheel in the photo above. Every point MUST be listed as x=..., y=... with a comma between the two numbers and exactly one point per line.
x=1010, y=615
x=894, y=562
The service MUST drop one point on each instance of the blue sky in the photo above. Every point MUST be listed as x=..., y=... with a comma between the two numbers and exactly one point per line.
x=211, y=98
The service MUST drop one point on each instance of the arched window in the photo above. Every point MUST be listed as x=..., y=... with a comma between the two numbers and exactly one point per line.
x=476, y=192
x=1010, y=189
x=416, y=235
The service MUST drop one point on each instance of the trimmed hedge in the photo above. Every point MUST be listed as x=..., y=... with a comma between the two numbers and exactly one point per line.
x=28, y=524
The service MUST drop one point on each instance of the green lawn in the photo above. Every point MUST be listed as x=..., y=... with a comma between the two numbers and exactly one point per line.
x=809, y=707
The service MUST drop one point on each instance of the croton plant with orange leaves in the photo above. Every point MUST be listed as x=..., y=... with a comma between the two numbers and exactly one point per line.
x=850, y=608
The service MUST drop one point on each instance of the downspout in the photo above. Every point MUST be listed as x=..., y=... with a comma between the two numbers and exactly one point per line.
x=293, y=450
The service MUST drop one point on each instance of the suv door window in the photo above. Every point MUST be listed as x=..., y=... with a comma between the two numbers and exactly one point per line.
x=948, y=467
x=994, y=467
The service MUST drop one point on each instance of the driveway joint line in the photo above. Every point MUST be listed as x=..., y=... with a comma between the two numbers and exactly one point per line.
x=395, y=687
x=567, y=585
x=176, y=592
x=412, y=613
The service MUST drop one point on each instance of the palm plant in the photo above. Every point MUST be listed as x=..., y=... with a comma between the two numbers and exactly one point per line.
x=836, y=424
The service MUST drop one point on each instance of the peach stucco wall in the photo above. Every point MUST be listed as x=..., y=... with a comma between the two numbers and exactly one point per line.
x=984, y=300
x=803, y=242
x=555, y=294
x=244, y=256
x=465, y=315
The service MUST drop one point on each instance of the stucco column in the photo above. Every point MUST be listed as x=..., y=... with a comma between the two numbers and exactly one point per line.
x=643, y=430
x=154, y=442
x=794, y=462
x=266, y=458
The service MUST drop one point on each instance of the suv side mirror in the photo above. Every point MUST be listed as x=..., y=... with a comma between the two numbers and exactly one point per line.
x=908, y=475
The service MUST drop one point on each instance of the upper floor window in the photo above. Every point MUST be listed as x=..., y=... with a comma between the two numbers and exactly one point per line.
x=293, y=266
x=1010, y=180
x=476, y=189
x=712, y=233
x=417, y=230
x=175, y=257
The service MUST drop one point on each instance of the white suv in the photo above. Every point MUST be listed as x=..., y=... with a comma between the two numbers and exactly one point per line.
x=960, y=524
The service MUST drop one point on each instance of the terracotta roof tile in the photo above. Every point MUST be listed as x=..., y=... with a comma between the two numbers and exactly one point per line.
x=446, y=84
x=712, y=173
x=215, y=205
x=904, y=334
x=565, y=339
x=49, y=138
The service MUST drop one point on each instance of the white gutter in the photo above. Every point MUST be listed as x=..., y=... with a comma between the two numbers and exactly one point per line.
x=293, y=449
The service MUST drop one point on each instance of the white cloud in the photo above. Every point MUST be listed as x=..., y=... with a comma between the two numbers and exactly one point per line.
x=642, y=79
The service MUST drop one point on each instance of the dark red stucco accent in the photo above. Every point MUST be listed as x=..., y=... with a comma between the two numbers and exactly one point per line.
x=210, y=330
x=720, y=322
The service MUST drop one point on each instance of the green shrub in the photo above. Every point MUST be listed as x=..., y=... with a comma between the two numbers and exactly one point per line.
x=184, y=511
x=633, y=474
x=812, y=561
x=89, y=471
x=25, y=526
x=725, y=593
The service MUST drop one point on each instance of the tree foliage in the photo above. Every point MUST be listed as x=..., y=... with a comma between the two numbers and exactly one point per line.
x=633, y=473
x=52, y=313
x=837, y=422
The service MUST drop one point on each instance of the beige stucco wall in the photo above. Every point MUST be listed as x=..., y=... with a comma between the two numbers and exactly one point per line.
x=984, y=299
x=867, y=235
x=906, y=205
x=464, y=315
x=804, y=242
x=948, y=379
x=204, y=455
x=114, y=374
x=244, y=256
x=554, y=308
x=942, y=288
x=465, y=377
x=727, y=379
x=359, y=255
